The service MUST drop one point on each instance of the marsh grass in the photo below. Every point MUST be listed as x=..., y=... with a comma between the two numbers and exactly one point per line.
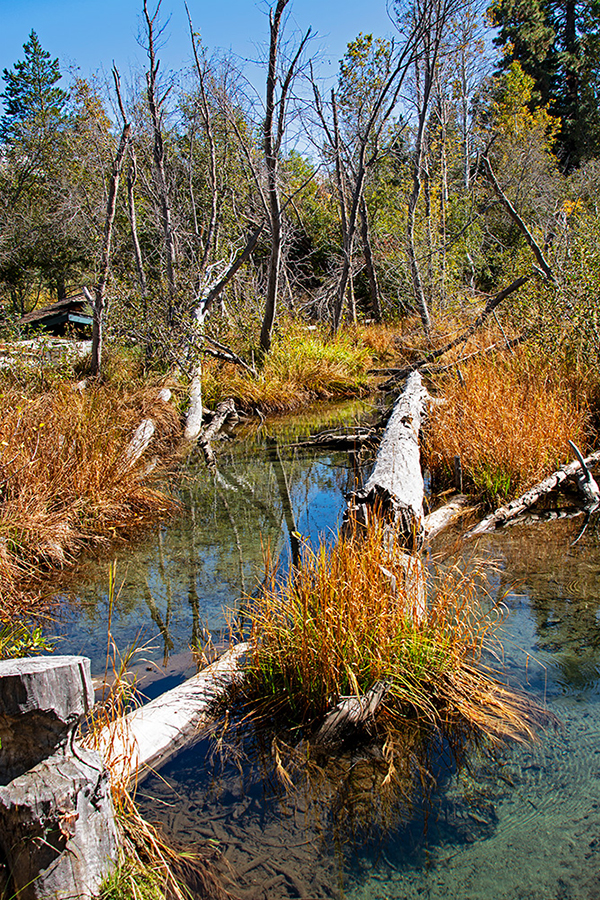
x=348, y=619
x=303, y=365
x=509, y=420
x=64, y=485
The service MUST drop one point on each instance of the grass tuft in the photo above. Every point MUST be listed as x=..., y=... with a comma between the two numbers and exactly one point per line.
x=349, y=619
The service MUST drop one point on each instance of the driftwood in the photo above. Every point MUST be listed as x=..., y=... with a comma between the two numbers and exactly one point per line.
x=444, y=516
x=341, y=440
x=149, y=736
x=395, y=488
x=349, y=714
x=530, y=497
x=143, y=435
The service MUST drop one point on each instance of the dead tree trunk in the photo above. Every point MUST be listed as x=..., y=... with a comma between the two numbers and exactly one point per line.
x=99, y=302
x=395, y=488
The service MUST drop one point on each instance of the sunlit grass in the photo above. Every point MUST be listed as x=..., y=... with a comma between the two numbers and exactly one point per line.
x=509, y=420
x=65, y=483
x=352, y=617
x=303, y=365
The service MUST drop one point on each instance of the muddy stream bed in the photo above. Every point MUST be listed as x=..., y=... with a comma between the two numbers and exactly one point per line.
x=523, y=822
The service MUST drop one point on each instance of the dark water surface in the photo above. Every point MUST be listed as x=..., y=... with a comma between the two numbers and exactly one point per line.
x=521, y=824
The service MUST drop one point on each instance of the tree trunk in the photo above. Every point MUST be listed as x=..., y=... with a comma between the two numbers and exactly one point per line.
x=366, y=242
x=395, y=488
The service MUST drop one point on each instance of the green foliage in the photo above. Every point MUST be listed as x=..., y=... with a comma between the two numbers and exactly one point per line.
x=18, y=639
x=557, y=45
x=34, y=108
x=131, y=880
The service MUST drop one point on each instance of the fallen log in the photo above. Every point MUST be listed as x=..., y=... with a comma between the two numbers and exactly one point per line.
x=341, y=440
x=443, y=517
x=530, y=497
x=148, y=737
x=395, y=488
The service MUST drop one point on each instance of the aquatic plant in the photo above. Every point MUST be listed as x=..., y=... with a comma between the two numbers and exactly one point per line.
x=350, y=618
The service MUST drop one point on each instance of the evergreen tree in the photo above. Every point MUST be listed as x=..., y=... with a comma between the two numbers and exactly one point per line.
x=557, y=43
x=34, y=107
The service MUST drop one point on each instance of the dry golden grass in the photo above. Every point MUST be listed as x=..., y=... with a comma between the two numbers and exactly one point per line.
x=509, y=419
x=64, y=480
x=348, y=619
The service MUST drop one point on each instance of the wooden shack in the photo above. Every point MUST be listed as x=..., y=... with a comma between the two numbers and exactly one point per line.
x=71, y=314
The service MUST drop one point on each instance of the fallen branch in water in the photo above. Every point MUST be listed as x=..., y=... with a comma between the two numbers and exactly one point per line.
x=224, y=412
x=530, y=497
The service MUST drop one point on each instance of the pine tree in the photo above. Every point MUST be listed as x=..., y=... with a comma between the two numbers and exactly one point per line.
x=34, y=107
x=557, y=43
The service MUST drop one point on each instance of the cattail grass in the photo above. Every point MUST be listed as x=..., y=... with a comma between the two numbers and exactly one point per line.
x=352, y=616
x=64, y=479
x=509, y=421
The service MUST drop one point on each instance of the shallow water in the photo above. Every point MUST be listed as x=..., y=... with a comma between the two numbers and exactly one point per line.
x=184, y=580
x=523, y=824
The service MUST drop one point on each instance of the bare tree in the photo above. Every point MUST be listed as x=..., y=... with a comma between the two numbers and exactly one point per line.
x=156, y=105
x=357, y=148
x=99, y=300
x=273, y=132
x=434, y=17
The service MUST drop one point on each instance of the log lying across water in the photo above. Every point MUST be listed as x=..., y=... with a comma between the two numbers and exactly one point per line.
x=395, y=488
x=530, y=497
x=152, y=734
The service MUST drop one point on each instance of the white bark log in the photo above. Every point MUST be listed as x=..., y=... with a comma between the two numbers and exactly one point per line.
x=530, y=497
x=395, y=487
x=149, y=736
x=193, y=422
x=443, y=517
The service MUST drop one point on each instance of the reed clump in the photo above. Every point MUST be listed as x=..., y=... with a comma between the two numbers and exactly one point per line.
x=509, y=421
x=350, y=617
x=65, y=479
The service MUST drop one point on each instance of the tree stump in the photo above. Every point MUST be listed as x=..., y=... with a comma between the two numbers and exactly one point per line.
x=57, y=828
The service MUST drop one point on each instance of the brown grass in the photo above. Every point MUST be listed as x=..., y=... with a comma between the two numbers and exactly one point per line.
x=338, y=626
x=63, y=480
x=509, y=419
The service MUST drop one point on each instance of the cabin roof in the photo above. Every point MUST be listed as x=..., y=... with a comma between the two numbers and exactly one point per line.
x=74, y=309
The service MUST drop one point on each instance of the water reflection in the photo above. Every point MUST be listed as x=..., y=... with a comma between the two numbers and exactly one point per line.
x=516, y=824
x=180, y=581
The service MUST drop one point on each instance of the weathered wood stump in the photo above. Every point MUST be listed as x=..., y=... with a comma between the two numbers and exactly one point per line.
x=57, y=828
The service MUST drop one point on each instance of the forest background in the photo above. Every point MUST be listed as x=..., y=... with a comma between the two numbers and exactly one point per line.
x=450, y=160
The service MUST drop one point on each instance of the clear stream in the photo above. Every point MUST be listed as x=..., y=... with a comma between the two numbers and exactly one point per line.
x=521, y=825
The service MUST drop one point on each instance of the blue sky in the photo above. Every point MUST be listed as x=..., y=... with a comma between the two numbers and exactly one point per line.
x=89, y=34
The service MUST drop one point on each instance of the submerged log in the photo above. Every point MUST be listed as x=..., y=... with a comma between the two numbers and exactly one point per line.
x=395, y=488
x=530, y=497
x=148, y=737
x=224, y=413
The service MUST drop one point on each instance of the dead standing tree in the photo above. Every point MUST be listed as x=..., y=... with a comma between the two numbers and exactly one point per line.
x=274, y=127
x=356, y=152
x=98, y=301
x=156, y=106
x=435, y=17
